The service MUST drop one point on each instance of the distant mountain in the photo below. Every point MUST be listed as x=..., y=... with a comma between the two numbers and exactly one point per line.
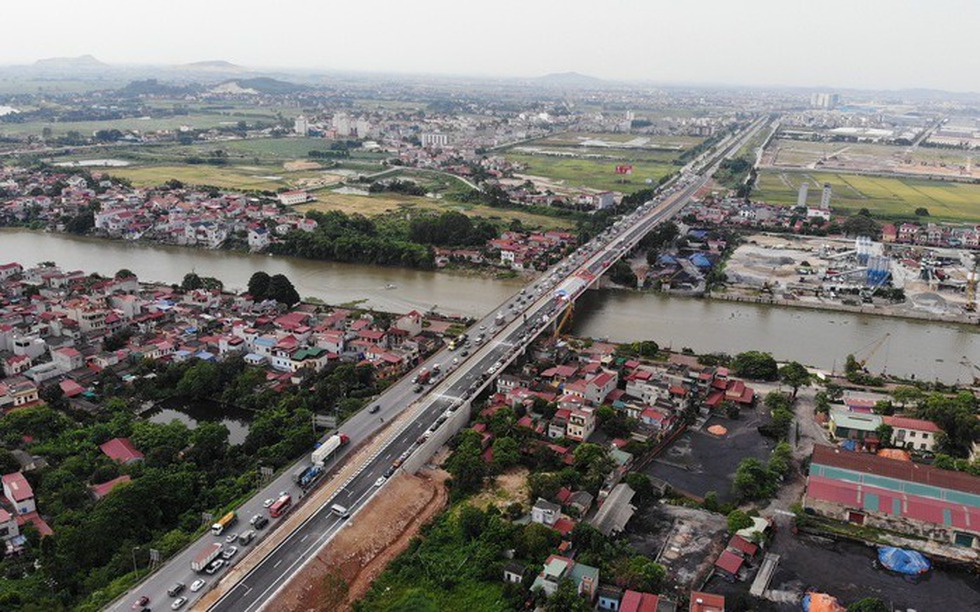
x=212, y=66
x=568, y=79
x=257, y=85
x=83, y=62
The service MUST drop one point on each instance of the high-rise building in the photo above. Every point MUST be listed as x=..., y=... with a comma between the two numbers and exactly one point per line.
x=824, y=100
x=434, y=139
x=825, y=197
x=301, y=126
x=801, y=198
x=342, y=124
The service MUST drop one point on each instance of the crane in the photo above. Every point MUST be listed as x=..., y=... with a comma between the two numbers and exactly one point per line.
x=871, y=349
x=971, y=285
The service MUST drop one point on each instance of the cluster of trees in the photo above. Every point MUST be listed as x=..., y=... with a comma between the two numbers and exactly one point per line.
x=451, y=228
x=353, y=238
x=397, y=186
x=755, y=480
x=277, y=287
x=185, y=472
x=755, y=365
x=622, y=274
x=192, y=281
x=780, y=408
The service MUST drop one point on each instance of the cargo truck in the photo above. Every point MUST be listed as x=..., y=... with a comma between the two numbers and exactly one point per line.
x=306, y=475
x=224, y=523
x=323, y=452
x=205, y=557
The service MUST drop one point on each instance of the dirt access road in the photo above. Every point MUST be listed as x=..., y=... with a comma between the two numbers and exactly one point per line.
x=345, y=568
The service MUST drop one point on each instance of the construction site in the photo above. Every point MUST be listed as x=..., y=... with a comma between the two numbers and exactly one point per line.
x=856, y=274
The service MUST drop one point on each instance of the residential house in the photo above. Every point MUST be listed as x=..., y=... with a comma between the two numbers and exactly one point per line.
x=847, y=425
x=121, y=450
x=913, y=434
x=19, y=493
x=558, y=568
x=581, y=423
x=706, y=602
x=545, y=512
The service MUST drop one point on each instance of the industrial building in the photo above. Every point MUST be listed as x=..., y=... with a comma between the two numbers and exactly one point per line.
x=901, y=496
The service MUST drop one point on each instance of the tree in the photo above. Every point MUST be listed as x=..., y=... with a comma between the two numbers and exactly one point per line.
x=756, y=365
x=258, y=285
x=191, y=282
x=644, y=488
x=506, y=453
x=794, y=375
x=753, y=480
x=868, y=604
x=566, y=599
x=639, y=573
x=921, y=212
x=738, y=520
x=884, y=433
x=471, y=522
x=536, y=541
x=282, y=290
x=781, y=460
x=124, y=273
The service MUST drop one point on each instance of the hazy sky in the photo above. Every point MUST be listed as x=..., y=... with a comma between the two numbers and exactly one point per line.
x=832, y=43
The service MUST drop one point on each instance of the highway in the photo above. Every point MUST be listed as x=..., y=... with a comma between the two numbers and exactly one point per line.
x=527, y=314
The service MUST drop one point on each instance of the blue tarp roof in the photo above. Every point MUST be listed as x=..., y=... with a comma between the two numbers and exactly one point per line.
x=903, y=561
x=666, y=260
x=700, y=260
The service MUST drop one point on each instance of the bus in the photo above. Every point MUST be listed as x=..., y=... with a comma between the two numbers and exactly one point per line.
x=281, y=506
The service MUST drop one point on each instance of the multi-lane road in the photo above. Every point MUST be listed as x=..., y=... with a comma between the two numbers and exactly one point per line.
x=526, y=315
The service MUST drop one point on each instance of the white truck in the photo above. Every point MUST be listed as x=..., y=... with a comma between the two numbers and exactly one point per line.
x=205, y=557
x=323, y=452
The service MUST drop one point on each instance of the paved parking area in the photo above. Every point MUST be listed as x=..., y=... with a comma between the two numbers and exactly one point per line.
x=845, y=570
x=698, y=462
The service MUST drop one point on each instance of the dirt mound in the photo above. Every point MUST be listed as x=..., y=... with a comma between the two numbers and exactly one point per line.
x=344, y=570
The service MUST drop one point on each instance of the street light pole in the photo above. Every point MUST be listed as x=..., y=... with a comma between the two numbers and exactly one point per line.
x=135, y=569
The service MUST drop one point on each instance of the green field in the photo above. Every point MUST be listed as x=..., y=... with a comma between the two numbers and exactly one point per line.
x=389, y=203
x=594, y=173
x=228, y=177
x=884, y=196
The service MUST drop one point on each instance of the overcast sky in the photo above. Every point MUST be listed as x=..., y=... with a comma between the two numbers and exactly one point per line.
x=820, y=43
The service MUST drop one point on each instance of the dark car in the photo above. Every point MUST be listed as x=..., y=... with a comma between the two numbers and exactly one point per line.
x=175, y=589
x=260, y=522
x=374, y=409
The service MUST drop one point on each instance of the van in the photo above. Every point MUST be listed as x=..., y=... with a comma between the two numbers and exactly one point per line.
x=246, y=537
x=340, y=511
x=175, y=589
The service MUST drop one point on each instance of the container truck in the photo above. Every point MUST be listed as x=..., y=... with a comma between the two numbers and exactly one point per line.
x=205, y=557
x=224, y=523
x=323, y=452
x=424, y=376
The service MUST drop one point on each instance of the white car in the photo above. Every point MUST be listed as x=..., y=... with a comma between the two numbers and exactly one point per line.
x=380, y=481
x=229, y=552
x=197, y=585
x=178, y=603
x=231, y=537
x=268, y=502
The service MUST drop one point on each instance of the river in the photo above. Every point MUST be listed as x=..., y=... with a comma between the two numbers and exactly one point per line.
x=817, y=338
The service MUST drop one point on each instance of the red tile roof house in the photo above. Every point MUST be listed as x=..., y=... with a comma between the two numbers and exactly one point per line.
x=102, y=489
x=729, y=565
x=706, y=602
x=121, y=450
x=19, y=493
x=635, y=601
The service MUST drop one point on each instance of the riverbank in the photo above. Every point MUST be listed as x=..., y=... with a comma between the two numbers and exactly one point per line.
x=874, y=311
